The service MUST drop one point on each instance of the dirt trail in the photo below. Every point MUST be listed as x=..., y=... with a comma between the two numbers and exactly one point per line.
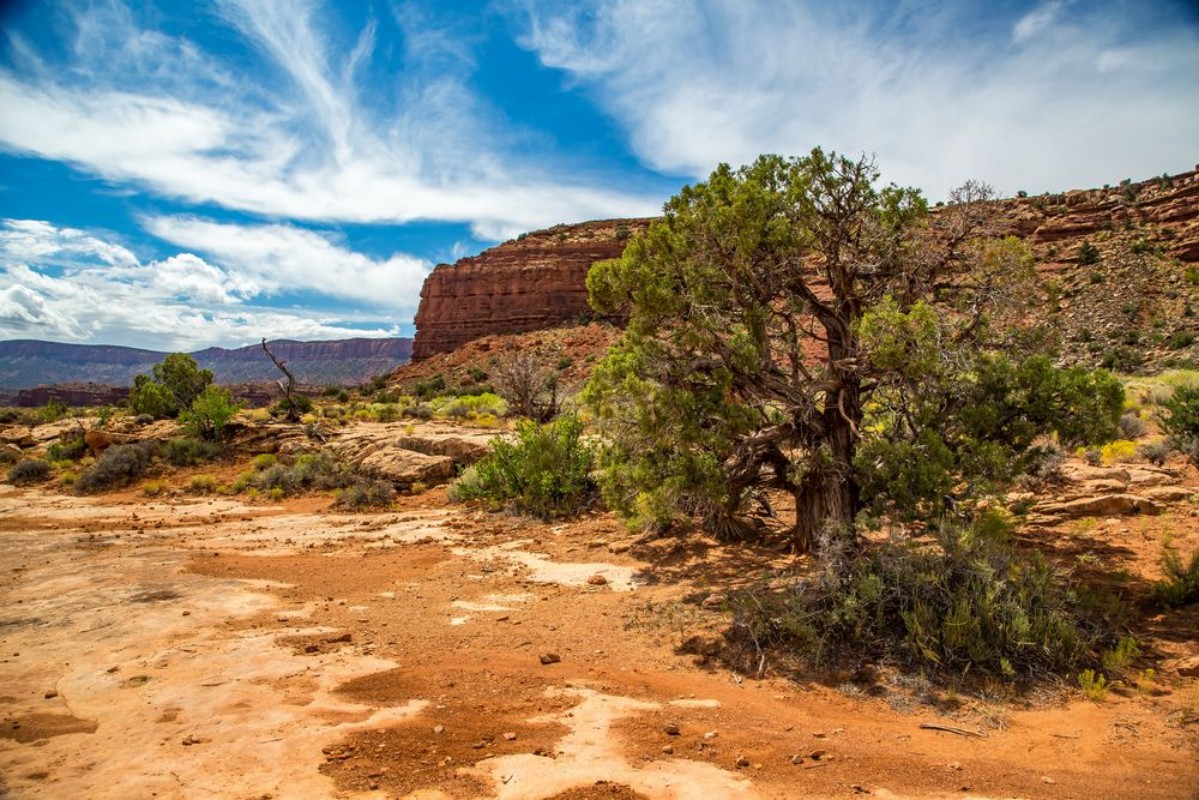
x=206, y=648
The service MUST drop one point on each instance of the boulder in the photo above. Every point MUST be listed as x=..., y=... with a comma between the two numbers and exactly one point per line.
x=1109, y=505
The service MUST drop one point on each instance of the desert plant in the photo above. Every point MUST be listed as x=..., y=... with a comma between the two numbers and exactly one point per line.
x=209, y=414
x=185, y=452
x=1088, y=254
x=154, y=488
x=117, y=466
x=545, y=472
x=203, y=484
x=172, y=386
x=30, y=470
x=1179, y=585
x=364, y=493
x=1132, y=426
x=1155, y=452
x=1093, y=685
x=1118, y=452
x=69, y=448
x=967, y=601
x=1117, y=660
x=263, y=461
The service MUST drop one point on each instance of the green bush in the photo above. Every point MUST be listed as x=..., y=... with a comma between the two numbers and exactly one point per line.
x=308, y=472
x=203, y=484
x=263, y=461
x=1088, y=254
x=1183, y=419
x=117, y=466
x=186, y=452
x=69, y=448
x=303, y=403
x=209, y=414
x=1179, y=585
x=53, y=411
x=967, y=601
x=1180, y=339
x=31, y=470
x=173, y=385
x=545, y=472
x=364, y=493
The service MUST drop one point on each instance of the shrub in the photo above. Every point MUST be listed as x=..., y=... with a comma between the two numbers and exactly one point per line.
x=363, y=493
x=303, y=404
x=209, y=413
x=545, y=472
x=1117, y=660
x=70, y=448
x=1088, y=254
x=1118, y=452
x=967, y=601
x=172, y=387
x=1180, y=339
x=154, y=488
x=1179, y=585
x=186, y=452
x=1183, y=419
x=31, y=470
x=53, y=411
x=203, y=484
x=1093, y=685
x=262, y=461
x=1132, y=426
x=117, y=466
x=1156, y=452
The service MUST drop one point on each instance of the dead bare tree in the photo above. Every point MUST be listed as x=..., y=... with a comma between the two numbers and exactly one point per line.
x=288, y=388
x=528, y=386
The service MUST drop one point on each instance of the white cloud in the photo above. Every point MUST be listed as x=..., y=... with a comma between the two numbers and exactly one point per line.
x=697, y=82
x=297, y=142
x=1036, y=21
x=64, y=284
x=282, y=258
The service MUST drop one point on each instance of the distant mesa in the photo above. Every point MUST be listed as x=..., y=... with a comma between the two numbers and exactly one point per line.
x=79, y=374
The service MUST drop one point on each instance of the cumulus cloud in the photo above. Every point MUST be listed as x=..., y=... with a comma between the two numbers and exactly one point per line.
x=940, y=93
x=298, y=141
x=65, y=284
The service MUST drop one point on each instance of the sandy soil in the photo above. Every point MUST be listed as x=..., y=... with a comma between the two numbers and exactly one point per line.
x=190, y=647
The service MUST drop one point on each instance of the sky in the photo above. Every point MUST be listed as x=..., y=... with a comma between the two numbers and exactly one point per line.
x=178, y=175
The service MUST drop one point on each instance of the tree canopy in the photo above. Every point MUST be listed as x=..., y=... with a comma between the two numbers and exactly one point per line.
x=171, y=387
x=792, y=324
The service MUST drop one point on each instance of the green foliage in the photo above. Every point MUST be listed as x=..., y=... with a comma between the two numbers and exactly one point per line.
x=314, y=471
x=1156, y=452
x=912, y=395
x=186, y=452
x=203, y=484
x=53, y=411
x=1093, y=685
x=1179, y=585
x=69, y=448
x=1088, y=254
x=545, y=472
x=303, y=405
x=1183, y=419
x=209, y=414
x=172, y=387
x=263, y=461
x=30, y=470
x=1180, y=339
x=967, y=602
x=1117, y=660
x=117, y=466
x=365, y=494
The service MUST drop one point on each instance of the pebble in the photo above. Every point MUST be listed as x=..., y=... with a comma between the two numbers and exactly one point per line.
x=953, y=765
x=668, y=750
x=671, y=730
x=742, y=762
x=1047, y=779
x=510, y=736
x=818, y=754
x=796, y=759
x=714, y=601
x=50, y=695
x=438, y=729
x=597, y=580
x=550, y=658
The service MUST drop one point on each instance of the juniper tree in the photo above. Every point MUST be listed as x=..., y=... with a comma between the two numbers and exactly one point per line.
x=767, y=315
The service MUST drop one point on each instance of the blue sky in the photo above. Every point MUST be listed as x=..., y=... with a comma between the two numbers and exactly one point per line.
x=176, y=175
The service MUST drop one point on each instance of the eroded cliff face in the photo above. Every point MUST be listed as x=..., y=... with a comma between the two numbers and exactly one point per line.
x=534, y=282
x=539, y=280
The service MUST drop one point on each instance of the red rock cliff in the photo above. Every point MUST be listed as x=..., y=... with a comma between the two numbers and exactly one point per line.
x=536, y=281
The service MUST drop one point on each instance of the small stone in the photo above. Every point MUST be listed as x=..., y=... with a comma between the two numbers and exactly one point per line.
x=550, y=658
x=715, y=600
x=345, y=637
x=50, y=695
x=953, y=765
x=510, y=736
x=797, y=759
x=742, y=762
x=187, y=613
x=373, y=785
x=668, y=750
x=438, y=729
x=1048, y=780
x=711, y=735
x=818, y=754
x=597, y=580
x=671, y=729
x=1188, y=667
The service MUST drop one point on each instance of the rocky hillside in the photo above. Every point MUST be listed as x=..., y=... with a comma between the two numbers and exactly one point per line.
x=535, y=281
x=25, y=364
x=1128, y=300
